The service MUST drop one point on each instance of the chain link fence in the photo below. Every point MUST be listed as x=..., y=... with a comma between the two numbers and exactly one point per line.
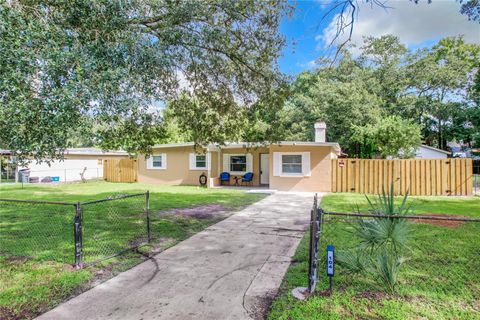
x=39, y=229
x=79, y=233
x=112, y=226
x=434, y=259
x=53, y=175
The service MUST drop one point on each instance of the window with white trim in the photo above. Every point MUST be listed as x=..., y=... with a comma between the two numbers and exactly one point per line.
x=291, y=163
x=198, y=161
x=201, y=161
x=238, y=163
x=157, y=162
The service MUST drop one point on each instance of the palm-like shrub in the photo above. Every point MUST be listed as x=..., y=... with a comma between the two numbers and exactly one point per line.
x=382, y=233
x=384, y=204
x=382, y=241
x=385, y=268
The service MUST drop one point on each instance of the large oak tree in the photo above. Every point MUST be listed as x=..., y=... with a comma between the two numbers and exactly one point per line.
x=67, y=64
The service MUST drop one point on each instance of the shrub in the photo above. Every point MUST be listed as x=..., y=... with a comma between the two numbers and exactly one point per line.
x=381, y=242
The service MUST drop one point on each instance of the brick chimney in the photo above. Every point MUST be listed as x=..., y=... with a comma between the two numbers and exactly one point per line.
x=320, y=131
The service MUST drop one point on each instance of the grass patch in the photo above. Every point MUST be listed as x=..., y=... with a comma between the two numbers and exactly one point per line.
x=465, y=206
x=439, y=281
x=30, y=286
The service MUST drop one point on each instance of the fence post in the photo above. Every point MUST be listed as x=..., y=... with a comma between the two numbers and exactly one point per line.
x=77, y=229
x=311, y=258
x=315, y=221
x=147, y=211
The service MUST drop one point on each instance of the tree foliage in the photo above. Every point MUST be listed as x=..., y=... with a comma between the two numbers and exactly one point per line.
x=63, y=63
x=389, y=98
x=442, y=78
x=390, y=137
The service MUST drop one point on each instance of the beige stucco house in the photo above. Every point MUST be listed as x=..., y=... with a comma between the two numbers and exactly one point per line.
x=286, y=165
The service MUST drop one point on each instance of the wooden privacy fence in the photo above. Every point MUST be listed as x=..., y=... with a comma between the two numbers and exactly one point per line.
x=425, y=177
x=120, y=170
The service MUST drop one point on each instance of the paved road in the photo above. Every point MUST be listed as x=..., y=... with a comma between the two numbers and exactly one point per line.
x=231, y=270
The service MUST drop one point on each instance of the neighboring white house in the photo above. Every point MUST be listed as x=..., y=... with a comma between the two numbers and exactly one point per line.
x=427, y=152
x=78, y=161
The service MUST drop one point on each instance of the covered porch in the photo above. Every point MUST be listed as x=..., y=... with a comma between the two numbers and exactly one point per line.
x=239, y=166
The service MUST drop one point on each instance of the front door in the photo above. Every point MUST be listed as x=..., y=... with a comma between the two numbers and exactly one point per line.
x=264, y=168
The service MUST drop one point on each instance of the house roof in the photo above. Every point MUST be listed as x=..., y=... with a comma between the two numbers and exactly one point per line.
x=231, y=145
x=5, y=152
x=434, y=149
x=82, y=151
x=94, y=152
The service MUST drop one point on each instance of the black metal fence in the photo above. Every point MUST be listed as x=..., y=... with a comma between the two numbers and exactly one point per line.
x=81, y=233
x=315, y=231
x=435, y=256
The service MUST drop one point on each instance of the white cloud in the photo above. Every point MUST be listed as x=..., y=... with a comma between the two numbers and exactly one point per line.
x=308, y=65
x=324, y=3
x=412, y=23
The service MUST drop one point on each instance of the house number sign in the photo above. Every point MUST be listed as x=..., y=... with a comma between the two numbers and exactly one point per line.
x=330, y=265
x=330, y=261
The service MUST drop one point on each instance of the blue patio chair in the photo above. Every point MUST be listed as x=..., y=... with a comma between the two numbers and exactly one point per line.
x=224, y=176
x=248, y=178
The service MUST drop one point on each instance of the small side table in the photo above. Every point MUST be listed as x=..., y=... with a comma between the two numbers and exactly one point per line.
x=236, y=178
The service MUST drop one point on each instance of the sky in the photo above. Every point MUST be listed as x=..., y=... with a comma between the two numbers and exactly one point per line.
x=417, y=25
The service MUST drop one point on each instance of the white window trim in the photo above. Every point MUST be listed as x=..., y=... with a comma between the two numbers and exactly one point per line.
x=277, y=165
x=193, y=161
x=149, y=161
x=226, y=163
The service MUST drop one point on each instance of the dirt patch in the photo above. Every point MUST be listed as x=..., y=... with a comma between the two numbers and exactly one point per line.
x=16, y=259
x=104, y=273
x=257, y=307
x=11, y=314
x=441, y=223
x=208, y=211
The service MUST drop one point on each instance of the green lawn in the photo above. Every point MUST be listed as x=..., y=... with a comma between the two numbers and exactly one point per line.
x=440, y=279
x=36, y=249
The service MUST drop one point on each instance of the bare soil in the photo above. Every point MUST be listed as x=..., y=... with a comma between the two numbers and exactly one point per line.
x=441, y=223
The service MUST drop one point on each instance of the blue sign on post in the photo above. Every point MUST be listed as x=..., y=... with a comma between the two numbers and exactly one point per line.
x=330, y=261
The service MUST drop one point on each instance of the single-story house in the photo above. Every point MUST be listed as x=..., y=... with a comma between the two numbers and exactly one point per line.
x=427, y=152
x=77, y=161
x=286, y=165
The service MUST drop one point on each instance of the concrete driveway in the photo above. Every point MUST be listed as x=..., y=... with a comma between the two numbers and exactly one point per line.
x=231, y=270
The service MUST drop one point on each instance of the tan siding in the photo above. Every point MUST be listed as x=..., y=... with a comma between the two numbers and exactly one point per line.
x=320, y=165
x=214, y=164
x=177, y=171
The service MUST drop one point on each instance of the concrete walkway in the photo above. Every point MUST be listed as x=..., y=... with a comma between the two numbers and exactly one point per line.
x=231, y=270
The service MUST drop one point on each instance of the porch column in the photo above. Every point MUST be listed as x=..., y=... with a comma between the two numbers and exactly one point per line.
x=219, y=158
x=209, y=168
